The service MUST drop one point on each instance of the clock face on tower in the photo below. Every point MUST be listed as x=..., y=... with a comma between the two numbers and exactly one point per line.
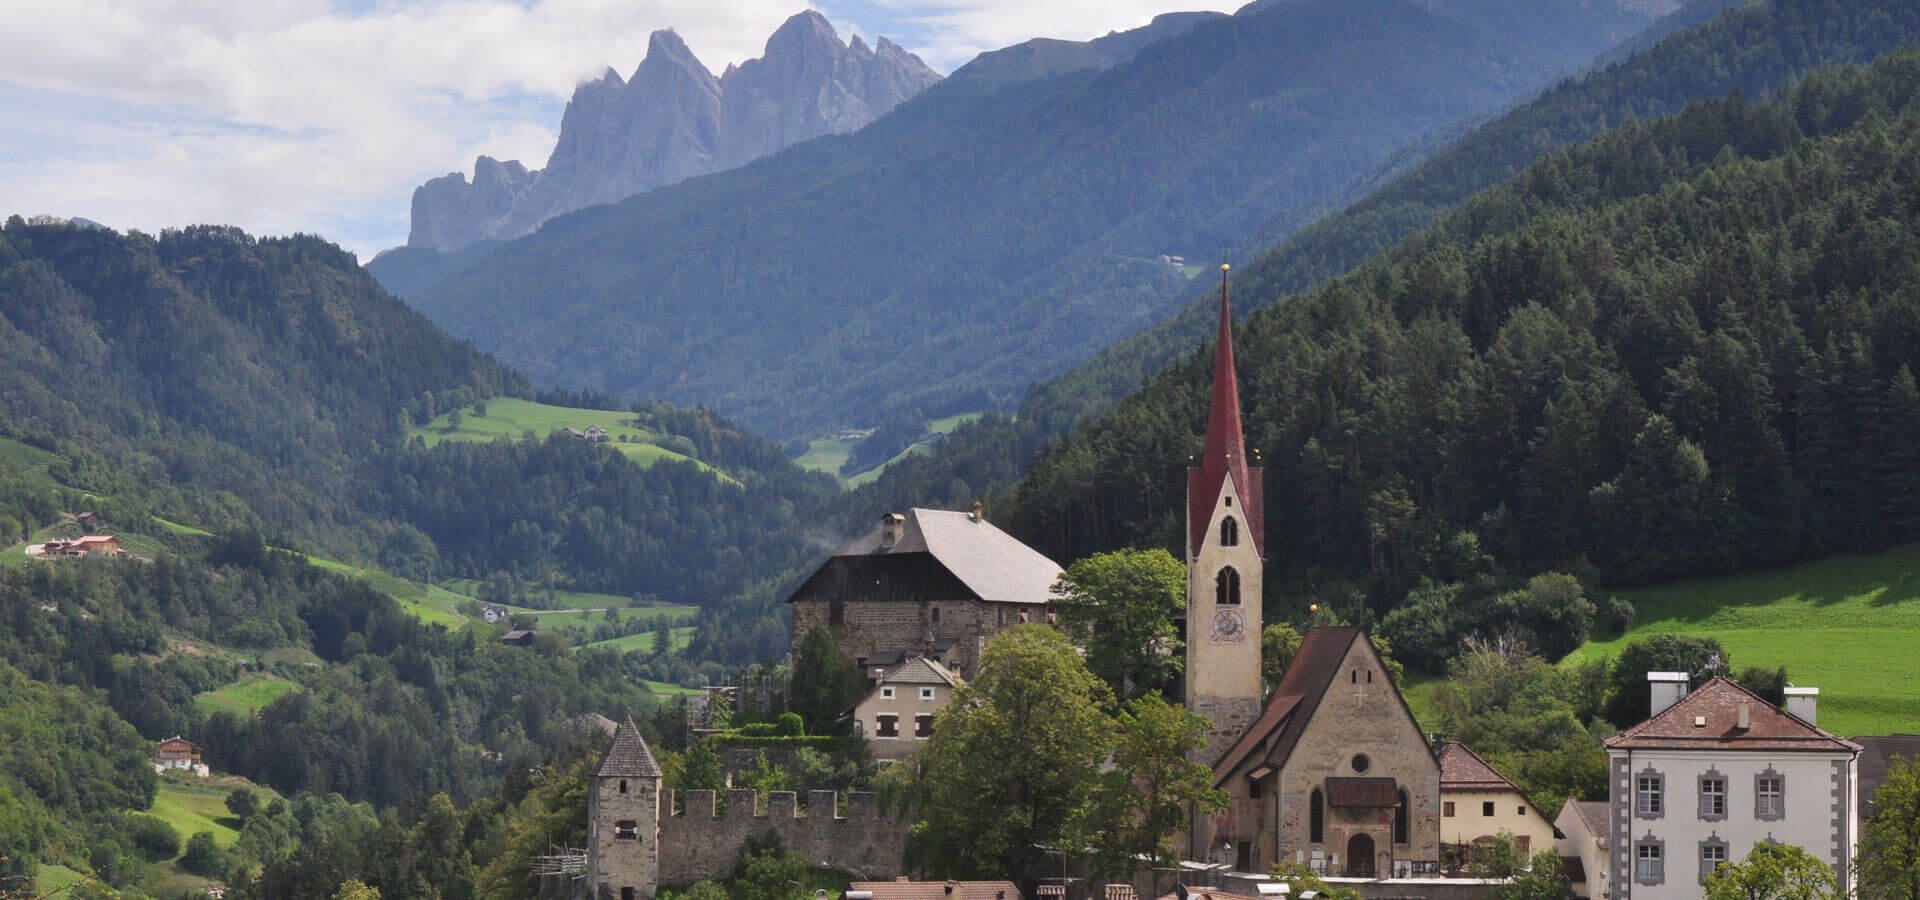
x=1229, y=627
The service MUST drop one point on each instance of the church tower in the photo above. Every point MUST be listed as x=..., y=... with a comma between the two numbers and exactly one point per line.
x=623, y=821
x=1224, y=554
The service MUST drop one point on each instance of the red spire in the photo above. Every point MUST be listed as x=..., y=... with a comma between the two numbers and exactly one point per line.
x=1225, y=455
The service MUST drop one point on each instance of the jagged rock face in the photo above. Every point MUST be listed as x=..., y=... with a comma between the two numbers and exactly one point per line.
x=673, y=120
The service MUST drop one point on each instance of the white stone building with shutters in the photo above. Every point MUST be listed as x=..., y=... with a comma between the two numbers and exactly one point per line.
x=1712, y=774
x=896, y=716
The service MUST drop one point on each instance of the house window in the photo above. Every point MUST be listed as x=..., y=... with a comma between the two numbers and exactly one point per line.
x=1519, y=810
x=886, y=693
x=1713, y=854
x=923, y=725
x=1400, y=816
x=934, y=612
x=623, y=785
x=626, y=830
x=1769, y=796
x=1253, y=789
x=886, y=725
x=1229, y=532
x=1713, y=796
x=1486, y=809
x=1650, y=861
x=1446, y=809
x=1316, y=818
x=626, y=893
x=1226, y=587
x=926, y=693
x=837, y=612
x=1649, y=801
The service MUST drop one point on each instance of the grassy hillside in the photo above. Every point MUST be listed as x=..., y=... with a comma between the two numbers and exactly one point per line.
x=517, y=419
x=246, y=696
x=1845, y=625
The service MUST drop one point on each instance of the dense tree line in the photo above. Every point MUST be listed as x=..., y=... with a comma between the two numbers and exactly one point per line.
x=1755, y=48
x=1686, y=347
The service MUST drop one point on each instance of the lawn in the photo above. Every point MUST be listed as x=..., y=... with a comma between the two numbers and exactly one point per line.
x=246, y=696
x=194, y=808
x=825, y=455
x=52, y=879
x=429, y=603
x=1846, y=624
x=514, y=419
x=643, y=642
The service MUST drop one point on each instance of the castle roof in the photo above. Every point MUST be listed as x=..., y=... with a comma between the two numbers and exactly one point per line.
x=1225, y=454
x=629, y=756
x=1463, y=771
x=991, y=563
x=1709, y=719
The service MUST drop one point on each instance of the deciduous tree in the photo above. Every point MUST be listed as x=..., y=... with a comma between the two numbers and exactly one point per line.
x=1121, y=606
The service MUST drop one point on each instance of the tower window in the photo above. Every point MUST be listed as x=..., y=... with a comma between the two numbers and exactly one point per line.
x=1226, y=587
x=623, y=785
x=1229, y=532
x=1316, y=818
x=1400, y=816
x=626, y=830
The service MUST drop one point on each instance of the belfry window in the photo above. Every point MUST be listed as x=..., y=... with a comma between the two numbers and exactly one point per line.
x=1226, y=587
x=1229, y=532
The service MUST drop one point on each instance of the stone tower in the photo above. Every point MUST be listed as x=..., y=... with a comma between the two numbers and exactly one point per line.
x=623, y=821
x=1224, y=553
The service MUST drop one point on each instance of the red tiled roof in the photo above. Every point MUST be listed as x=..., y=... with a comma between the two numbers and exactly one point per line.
x=1276, y=712
x=902, y=889
x=1716, y=705
x=1363, y=793
x=1463, y=770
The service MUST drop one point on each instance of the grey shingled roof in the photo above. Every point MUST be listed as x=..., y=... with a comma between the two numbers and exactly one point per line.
x=1594, y=815
x=990, y=562
x=629, y=756
x=919, y=670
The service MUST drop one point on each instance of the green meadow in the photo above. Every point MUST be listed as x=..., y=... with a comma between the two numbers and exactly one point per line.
x=516, y=419
x=1846, y=625
x=246, y=696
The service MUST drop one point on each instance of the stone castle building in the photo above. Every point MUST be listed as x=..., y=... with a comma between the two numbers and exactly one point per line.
x=637, y=840
x=1332, y=771
x=927, y=583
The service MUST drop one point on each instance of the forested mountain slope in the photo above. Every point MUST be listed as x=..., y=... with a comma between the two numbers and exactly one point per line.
x=943, y=268
x=270, y=385
x=1755, y=48
x=1686, y=347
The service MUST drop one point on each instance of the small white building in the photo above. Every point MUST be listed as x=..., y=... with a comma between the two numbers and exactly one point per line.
x=1477, y=803
x=897, y=715
x=1583, y=837
x=1712, y=774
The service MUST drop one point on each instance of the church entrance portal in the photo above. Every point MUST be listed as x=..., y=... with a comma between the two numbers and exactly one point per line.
x=1360, y=856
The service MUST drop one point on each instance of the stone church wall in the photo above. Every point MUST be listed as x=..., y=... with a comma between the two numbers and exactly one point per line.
x=697, y=843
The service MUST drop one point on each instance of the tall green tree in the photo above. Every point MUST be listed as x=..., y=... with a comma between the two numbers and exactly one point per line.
x=1152, y=785
x=1016, y=761
x=1889, y=857
x=1775, y=872
x=1121, y=606
x=825, y=684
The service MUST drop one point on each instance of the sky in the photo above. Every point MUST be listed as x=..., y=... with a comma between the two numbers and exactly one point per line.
x=321, y=116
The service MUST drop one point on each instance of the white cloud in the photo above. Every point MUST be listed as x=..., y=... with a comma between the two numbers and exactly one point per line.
x=285, y=115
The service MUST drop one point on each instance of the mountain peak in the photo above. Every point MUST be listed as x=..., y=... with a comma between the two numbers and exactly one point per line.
x=806, y=28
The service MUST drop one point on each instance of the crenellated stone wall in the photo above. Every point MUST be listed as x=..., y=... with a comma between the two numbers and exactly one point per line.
x=696, y=842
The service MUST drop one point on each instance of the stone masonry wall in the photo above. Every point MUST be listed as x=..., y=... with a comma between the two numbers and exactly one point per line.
x=872, y=629
x=695, y=843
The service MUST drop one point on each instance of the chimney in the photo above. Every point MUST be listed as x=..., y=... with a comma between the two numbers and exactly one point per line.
x=951, y=884
x=1746, y=715
x=892, y=525
x=976, y=515
x=1667, y=689
x=1803, y=703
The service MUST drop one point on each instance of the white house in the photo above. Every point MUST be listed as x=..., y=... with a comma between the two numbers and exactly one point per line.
x=1583, y=837
x=1712, y=774
x=897, y=715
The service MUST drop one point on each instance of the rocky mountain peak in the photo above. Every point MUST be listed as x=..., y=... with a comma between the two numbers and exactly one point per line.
x=672, y=120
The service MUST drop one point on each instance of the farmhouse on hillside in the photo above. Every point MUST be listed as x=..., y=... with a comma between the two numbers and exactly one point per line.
x=929, y=583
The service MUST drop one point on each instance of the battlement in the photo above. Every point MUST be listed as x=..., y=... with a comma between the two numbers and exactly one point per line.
x=699, y=842
x=751, y=804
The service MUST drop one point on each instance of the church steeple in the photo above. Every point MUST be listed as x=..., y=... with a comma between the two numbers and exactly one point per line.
x=1225, y=454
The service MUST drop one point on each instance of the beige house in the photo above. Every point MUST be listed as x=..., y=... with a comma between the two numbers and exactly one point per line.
x=1335, y=774
x=1583, y=829
x=1477, y=803
x=896, y=716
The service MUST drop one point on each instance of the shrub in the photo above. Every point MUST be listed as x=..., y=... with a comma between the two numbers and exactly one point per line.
x=154, y=837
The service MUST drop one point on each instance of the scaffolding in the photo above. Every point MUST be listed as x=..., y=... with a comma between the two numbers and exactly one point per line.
x=569, y=862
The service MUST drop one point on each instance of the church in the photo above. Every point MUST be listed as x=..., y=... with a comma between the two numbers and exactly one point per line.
x=1331, y=770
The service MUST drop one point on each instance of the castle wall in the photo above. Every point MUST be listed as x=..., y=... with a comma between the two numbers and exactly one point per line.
x=870, y=629
x=695, y=843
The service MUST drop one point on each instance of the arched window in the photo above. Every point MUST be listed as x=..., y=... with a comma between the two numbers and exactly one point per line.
x=1226, y=587
x=1229, y=532
x=1316, y=818
x=1400, y=819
